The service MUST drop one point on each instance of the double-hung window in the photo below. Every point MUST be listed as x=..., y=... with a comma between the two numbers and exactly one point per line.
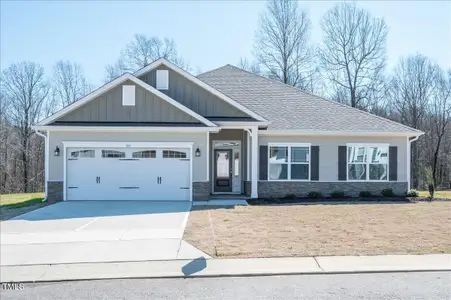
x=289, y=162
x=367, y=162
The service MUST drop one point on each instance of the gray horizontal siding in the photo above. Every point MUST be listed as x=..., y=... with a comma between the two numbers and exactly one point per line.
x=108, y=108
x=193, y=96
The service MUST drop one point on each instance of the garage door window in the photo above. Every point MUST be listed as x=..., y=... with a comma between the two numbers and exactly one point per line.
x=145, y=154
x=113, y=154
x=173, y=154
x=83, y=153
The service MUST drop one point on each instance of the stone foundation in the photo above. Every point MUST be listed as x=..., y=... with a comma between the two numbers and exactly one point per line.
x=247, y=188
x=277, y=189
x=201, y=191
x=55, y=191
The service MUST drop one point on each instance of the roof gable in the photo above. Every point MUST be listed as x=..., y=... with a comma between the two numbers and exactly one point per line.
x=288, y=108
x=199, y=83
x=113, y=84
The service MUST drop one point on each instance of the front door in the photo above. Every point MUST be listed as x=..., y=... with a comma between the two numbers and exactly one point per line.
x=223, y=170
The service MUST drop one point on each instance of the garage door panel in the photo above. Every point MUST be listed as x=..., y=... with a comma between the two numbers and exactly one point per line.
x=128, y=174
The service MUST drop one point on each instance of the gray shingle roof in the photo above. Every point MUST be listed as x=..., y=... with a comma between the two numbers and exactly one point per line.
x=288, y=108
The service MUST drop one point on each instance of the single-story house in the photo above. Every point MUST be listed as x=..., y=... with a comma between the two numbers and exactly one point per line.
x=164, y=134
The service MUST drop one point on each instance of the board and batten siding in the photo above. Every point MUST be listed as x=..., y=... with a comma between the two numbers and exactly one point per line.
x=192, y=96
x=57, y=137
x=108, y=108
x=328, y=151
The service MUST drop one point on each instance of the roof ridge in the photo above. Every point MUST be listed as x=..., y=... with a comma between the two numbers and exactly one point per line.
x=215, y=69
x=320, y=97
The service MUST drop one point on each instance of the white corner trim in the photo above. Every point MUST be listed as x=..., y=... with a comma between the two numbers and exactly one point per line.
x=46, y=160
x=336, y=133
x=115, y=83
x=200, y=83
x=128, y=129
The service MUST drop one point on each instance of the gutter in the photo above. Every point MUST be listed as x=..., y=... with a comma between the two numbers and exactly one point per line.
x=45, y=160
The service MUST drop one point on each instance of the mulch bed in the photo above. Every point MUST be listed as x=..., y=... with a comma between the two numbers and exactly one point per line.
x=264, y=201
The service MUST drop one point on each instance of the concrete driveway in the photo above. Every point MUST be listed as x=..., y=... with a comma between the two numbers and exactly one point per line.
x=98, y=231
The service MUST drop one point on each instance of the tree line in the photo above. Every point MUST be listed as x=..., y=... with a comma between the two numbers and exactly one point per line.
x=349, y=67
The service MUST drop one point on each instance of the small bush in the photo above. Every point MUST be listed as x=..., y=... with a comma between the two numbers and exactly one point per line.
x=337, y=194
x=387, y=193
x=365, y=194
x=412, y=193
x=290, y=196
x=315, y=195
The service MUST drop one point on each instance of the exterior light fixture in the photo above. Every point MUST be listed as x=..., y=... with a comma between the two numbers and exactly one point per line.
x=197, y=152
x=57, y=151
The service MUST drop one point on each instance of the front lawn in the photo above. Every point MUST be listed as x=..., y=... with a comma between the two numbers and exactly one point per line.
x=322, y=229
x=20, y=200
x=437, y=194
x=12, y=205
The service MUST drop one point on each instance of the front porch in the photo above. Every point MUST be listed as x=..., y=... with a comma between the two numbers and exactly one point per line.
x=230, y=171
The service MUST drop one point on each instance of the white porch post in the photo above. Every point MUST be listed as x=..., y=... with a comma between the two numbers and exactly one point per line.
x=254, y=165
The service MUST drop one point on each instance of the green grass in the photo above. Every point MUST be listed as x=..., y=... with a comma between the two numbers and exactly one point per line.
x=20, y=200
x=438, y=194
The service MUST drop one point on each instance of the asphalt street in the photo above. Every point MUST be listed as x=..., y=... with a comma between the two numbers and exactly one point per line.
x=390, y=286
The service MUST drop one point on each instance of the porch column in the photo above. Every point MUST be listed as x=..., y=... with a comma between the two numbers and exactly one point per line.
x=254, y=164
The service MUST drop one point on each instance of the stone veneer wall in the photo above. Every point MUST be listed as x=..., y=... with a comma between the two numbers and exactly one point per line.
x=279, y=189
x=201, y=191
x=55, y=191
x=247, y=188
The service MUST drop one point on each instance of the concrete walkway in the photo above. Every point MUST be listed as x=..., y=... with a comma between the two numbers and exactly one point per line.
x=202, y=267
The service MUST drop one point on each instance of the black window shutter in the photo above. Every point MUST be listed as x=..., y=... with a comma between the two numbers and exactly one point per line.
x=342, y=163
x=263, y=166
x=393, y=163
x=314, y=163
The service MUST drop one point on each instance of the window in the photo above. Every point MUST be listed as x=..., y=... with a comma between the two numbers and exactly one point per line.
x=162, y=79
x=83, y=153
x=173, y=154
x=367, y=162
x=128, y=95
x=289, y=162
x=113, y=154
x=145, y=154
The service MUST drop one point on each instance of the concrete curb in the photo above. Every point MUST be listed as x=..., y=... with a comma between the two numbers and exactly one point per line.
x=201, y=267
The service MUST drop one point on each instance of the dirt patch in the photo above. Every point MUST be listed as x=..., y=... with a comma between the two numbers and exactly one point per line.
x=322, y=229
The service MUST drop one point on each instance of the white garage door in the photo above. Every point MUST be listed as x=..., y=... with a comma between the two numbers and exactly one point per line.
x=128, y=174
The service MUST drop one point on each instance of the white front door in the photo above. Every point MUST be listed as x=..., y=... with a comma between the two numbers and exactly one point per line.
x=128, y=174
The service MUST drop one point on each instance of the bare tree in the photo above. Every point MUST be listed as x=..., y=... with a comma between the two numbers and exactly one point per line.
x=250, y=66
x=440, y=116
x=282, y=43
x=24, y=90
x=140, y=52
x=69, y=83
x=411, y=88
x=354, y=52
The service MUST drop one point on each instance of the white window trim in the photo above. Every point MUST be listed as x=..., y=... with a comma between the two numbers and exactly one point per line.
x=289, y=145
x=367, y=163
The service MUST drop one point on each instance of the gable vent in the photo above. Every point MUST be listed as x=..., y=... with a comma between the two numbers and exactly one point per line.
x=162, y=79
x=128, y=95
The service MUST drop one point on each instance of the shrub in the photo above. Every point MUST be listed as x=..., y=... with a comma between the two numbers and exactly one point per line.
x=365, y=194
x=290, y=196
x=314, y=195
x=387, y=193
x=412, y=193
x=337, y=194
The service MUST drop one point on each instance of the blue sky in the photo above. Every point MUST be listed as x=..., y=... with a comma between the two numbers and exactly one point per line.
x=208, y=34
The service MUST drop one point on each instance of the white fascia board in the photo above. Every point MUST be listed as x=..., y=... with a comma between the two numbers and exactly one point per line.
x=127, y=129
x=115, y=83
x=200, y=83
x=238, y=124
x=337, y=133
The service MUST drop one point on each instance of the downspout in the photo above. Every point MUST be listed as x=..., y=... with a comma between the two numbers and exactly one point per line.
x=45, y=161
x=410, y=140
